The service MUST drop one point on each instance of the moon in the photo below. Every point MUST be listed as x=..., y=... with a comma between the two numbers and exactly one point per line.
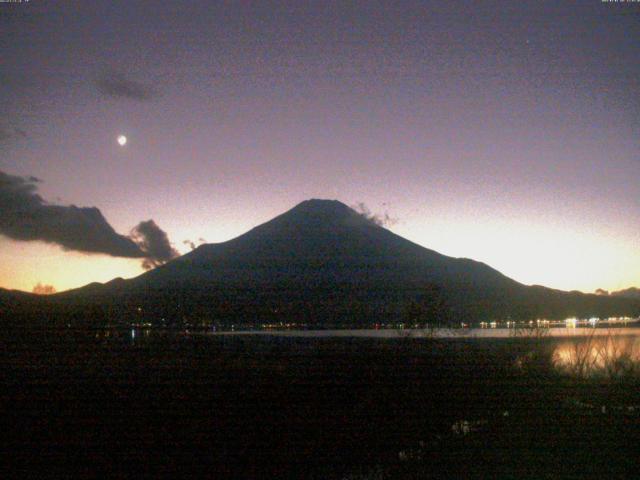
x=122, y=140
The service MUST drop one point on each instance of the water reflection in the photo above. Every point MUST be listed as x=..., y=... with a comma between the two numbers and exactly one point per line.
x=609, y=355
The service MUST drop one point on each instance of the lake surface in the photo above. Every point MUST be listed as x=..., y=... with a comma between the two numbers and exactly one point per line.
x=582, y=352
x=445, y=333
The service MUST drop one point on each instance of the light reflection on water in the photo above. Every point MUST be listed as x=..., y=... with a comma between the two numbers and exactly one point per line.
x=611, y=354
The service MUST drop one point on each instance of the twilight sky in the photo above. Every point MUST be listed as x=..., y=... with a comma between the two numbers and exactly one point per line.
x=507, y=132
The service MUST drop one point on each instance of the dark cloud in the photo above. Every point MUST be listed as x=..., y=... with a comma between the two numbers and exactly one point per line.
x=41, y=289
x=25, y=215
x=380, y=219
x=115, y=84
x=154, y=241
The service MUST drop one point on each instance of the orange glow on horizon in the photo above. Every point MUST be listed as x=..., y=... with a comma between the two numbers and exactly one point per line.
x=25, y=264
x=548, y=255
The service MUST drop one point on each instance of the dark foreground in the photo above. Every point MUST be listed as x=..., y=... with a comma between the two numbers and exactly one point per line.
x=165, y=405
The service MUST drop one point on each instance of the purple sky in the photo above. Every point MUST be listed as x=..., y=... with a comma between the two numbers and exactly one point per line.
x=507, y=132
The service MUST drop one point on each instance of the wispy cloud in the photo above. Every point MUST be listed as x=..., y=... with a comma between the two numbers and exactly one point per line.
x=192, y=245
x=9, y=133
x=380, y=219
x=116, y=84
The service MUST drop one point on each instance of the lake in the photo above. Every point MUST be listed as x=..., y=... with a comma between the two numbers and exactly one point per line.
x=442, y=332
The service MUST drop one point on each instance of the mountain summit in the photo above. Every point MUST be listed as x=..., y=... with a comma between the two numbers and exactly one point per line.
x=324, y=263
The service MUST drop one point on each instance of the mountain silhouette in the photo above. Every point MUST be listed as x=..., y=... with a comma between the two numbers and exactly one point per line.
x=323, y=263
x=632, y=292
